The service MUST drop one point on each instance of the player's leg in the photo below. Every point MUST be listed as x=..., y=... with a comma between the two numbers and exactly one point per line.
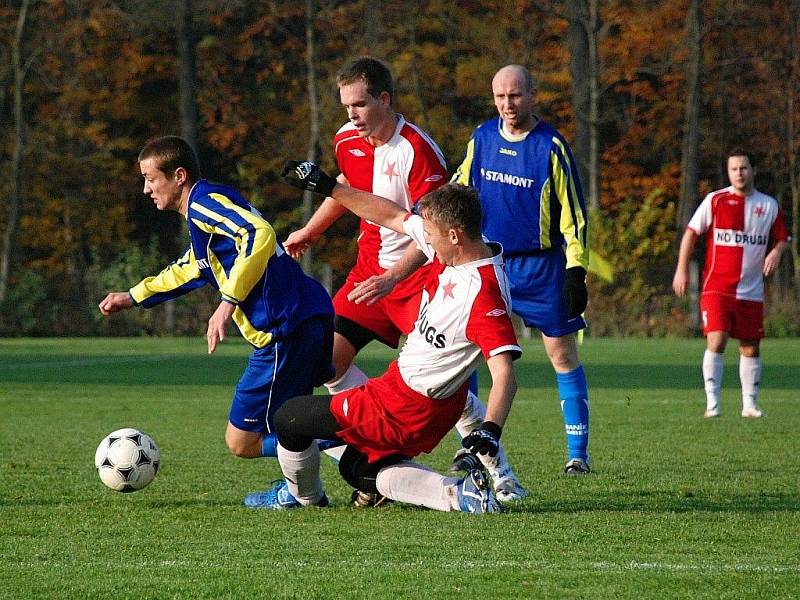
x=713, y=366
x=573, y=392
x=717, y=316
x=286, y=368
x=750, y=377
x=299, y=423
x=536, y=284
x=748, y=327
x=355, y=326
x=416, y=484
x=506, y=485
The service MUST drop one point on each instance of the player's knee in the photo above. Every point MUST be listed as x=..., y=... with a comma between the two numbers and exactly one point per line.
x=749, y=349
x=239, y=445
x=563, y=360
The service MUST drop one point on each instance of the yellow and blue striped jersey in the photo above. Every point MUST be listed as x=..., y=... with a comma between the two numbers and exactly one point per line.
x=529, y=188
x=233, y=248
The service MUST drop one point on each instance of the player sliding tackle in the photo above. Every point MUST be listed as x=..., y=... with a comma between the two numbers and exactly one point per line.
x=463, y=315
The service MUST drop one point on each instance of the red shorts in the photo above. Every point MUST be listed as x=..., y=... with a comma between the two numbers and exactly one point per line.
x=742, y=319
x=391, y=316
x=385, y=417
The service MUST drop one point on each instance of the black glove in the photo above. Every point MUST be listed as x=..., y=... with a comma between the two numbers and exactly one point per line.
x=307, y=175
x=484, y=440
x=575, y=291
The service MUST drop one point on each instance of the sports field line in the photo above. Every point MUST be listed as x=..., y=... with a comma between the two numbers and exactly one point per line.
x=457, y=566
x=82, y=362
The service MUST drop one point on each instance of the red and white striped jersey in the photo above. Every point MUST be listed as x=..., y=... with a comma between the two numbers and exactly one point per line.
x=739, y=230
x=464, y=313
x=403, y=170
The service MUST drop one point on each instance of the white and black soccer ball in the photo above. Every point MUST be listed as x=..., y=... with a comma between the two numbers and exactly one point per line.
x=127, y=460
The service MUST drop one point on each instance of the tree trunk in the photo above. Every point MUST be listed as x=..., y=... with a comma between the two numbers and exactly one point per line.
x=15, y=208
x=374, y=30
x=792, y=149
x=687, y=200
x=313, y=114
x=584, y=23
x=187, y=92
x=415, y=69
x=187, y=66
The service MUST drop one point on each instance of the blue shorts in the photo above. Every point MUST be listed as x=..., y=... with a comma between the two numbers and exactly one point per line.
x=281, y=370
x=537, y=296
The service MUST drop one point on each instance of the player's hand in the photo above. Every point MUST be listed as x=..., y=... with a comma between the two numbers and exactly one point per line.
x=298, y=242
x=575, y=291
x=771, y=263
x=307, y=175
x=217, y=323
x=679, y=283
x=484, y=440
x=372, y=289
x=115, y=302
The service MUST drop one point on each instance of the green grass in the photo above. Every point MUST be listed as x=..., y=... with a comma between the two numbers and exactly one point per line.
x=678, y=506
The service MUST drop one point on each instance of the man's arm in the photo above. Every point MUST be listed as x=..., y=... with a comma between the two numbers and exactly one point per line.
x=308, y=176
x=376, y=287
x=681, y=279
x=326, y=215
x=504, y=387
x=486, y=439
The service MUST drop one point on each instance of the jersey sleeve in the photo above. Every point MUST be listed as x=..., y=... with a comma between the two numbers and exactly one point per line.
x=415, y=230
x=462, y=174
x=489, y=326
x=253, y=237
x=178, y=278
x=701, y=219
x=567, y=188
x=428, y=170
x=779, y=232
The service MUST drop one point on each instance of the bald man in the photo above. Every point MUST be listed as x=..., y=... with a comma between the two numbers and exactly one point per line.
x=533, y=205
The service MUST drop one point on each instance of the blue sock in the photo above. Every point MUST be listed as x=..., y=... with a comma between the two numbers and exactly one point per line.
x=269, y=445
x=574, y=393
x=473, y=383
x=326, y=444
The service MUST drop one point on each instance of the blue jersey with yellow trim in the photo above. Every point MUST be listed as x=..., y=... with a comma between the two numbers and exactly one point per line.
x=233, y=248
x=529, y=189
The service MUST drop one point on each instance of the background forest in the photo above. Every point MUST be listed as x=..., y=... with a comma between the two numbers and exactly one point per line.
x=650, y=95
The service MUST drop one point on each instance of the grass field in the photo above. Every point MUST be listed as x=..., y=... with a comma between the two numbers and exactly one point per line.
x=678, y=506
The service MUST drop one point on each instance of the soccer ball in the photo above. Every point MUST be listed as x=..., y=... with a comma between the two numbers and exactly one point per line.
x=127, y=460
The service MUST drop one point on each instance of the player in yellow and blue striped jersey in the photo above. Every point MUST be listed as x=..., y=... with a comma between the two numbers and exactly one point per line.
x=285, y=315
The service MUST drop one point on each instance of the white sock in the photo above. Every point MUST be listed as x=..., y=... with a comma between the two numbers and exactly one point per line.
x=416, y=484
x=353, y=377
x=301, y=470
x=712, y=377
x=750, y=376
x=472, y=418
x=336, y=452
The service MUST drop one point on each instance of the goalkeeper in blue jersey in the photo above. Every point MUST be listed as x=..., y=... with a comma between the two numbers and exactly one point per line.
x=285, y=315
x=533, y=205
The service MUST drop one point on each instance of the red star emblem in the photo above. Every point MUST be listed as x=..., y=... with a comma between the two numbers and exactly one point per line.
x=759, y=210
x=447, y=289
x=390, y=171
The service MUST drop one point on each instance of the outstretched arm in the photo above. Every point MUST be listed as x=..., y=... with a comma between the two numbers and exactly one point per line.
x=308, y=176
x=326, y=215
